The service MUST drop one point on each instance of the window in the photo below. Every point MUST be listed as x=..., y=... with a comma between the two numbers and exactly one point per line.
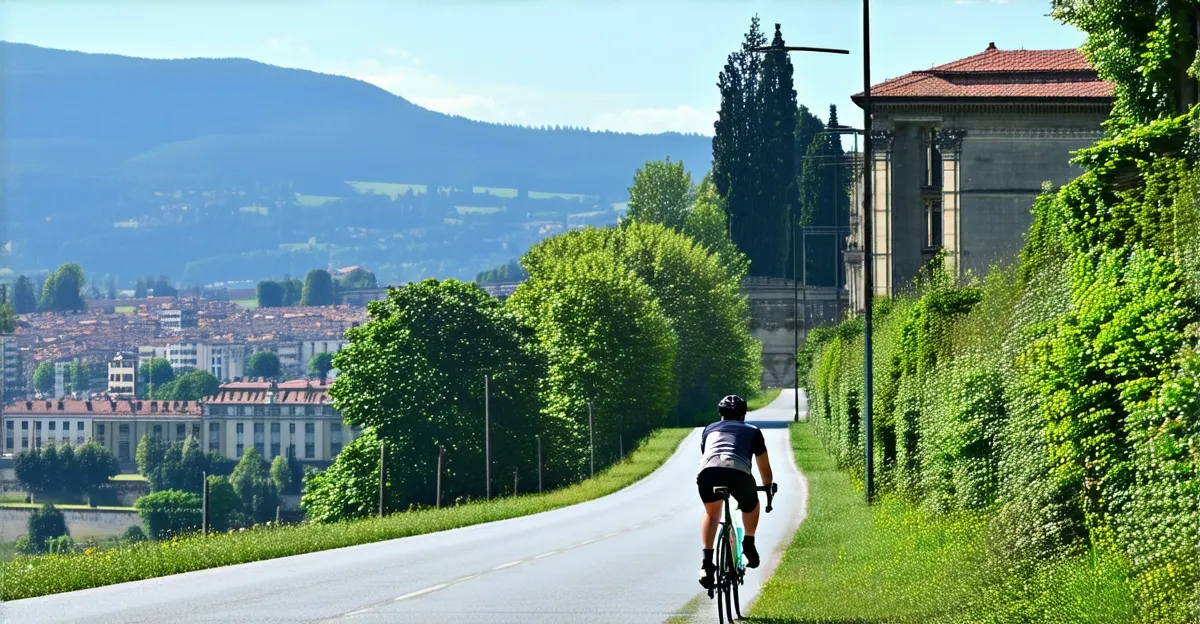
x=259, y=441
x=292, y=428
x=52, y=423
x=933, y=224
x=66, y=425
x=100, y=434
x=310, y=440
x=335, y=439
x=24, y=425
x=933, y=159
x=274, y=439
x=309, y=410
x=158, y=431
x=291, y=450
x=180, y=432
x=273, y=411
x=79, y=439
x=214, y=436
x=79, y=425
x=9, y=435
x=123, y=442
x=292, y=412
x=241, y=431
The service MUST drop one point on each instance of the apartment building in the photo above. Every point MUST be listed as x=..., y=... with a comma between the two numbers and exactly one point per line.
x=224, y=360
x=115, y=424
x=291, y=418
x=12, y=378
x=178, y=319
x=122, y=375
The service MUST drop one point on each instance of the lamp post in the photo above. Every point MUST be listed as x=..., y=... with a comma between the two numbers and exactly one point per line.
x=795, y=223
x=868, y=253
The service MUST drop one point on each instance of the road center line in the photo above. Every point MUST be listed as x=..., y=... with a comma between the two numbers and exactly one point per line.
x=509, y=564
x=421, y=592
x=546, y=554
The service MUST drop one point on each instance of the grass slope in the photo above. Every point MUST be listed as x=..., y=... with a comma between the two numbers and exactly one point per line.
x=764, y=398
x=27, y=577
x=853, y=564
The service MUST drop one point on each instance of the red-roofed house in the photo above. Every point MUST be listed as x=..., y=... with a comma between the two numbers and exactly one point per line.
x=961, y=151
x=292, y=417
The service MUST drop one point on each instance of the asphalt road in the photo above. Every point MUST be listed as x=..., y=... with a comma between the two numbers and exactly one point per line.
x=631, y=556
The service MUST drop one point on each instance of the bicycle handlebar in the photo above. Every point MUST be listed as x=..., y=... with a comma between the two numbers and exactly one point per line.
x=770, y=490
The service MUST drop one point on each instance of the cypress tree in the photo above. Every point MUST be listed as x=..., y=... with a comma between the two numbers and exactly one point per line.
x=777, y=163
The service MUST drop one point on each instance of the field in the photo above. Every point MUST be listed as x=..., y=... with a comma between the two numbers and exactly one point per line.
x=466, y=210
x=567, y=196
x=314, y=201
x=128, y=477
x=248, y=304
x=390, y=189
x=28, y=577
x=125, y=309
x=260, y=210
x=506, y=193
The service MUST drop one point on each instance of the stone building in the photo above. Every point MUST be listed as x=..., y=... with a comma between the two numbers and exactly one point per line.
x=960, y=152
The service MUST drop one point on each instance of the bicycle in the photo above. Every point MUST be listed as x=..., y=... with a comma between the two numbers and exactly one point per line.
x=731, y=571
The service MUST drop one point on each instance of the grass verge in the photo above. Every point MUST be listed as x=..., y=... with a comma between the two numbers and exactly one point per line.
x=28, y=577
x=894, y=562
x=763, y=398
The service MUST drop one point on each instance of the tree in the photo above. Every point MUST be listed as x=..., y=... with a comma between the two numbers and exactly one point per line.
x=167, y=513
x=708, y=224
x=777, y=163
x=270, y=294
x=8, y=319
x=511, y=272
x=44, y=378
x=281, y=474
x=140, y=290
x=358, y=279
x=96, y=464
x=162, y=286
x=825, y=201
x=251, y=480
x=63, y=290
x=319, y=365
x=24, y=296
x=292, y=291
x=661, y=193
x=190, y=386
x=152, y=457
x=30, y=471
x=318, y=289
x=436, y=340
x=44, y=524
x=224, y=506
x=263, y=364
x=157, y=371
x=606, y=340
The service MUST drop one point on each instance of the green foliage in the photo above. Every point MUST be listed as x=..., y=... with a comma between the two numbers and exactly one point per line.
x=8, y=318
x=251, y=480
x=661, y=193
x=414, y=376
x=1056, y=397
x=190, y=386
x=224, y=506
x=44, y=525
x=318, y=289
x=63, y=290
x=320, y=364
x=134, y=534
x=270, y=294
x=606, y=340
x=263, y=364
x=511, y=272
x=24, y=298
x=43, y=377
x=169, y=513
x=156, y=371
x=358, y=279
x=65, y=470
x=281, y=474
x=171, y=465
x=707, y=223
x=32, y=577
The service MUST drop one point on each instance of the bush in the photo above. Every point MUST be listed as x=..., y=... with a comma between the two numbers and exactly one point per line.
x=251, y=480
x=224, y=506
x=134, y=534
x=167, y=513
x=44, y=525
x=64, y=470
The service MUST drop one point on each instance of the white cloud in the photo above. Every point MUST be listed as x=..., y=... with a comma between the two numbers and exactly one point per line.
x=650, y=120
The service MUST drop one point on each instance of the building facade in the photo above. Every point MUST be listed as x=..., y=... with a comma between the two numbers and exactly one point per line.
x=225, y=361
x=13, y=378
x=960, y=152
x=177, y=319
x=122, y=376
x=117, y=425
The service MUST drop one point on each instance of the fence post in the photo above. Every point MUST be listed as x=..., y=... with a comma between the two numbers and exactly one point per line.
x=539, y=445
x=487, y=436
x=204, y=504
x=441, y=458
x=591, y=442
x=515, y=479
x=382, y=450
x=277, y=507
x=621, y=447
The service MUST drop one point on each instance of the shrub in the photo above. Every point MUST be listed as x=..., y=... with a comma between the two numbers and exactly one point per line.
x=44, y=525
x=167, y=513
x=134, y=534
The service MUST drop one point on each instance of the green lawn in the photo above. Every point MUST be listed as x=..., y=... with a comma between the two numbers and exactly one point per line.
x=315, y=200
x=391, y=189
x=465, y=210
x=849, y=563
x=763, y=398
x=568, y=196
x=129, y=476
x=27, y=577
x=248, y=304
x=259, y=210
x=38, y=505
x=12, y=497
x=8, y=552
x=506, y=193
x=125, y=309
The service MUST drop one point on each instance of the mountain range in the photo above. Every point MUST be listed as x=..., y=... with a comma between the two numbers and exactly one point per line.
x=90, y=140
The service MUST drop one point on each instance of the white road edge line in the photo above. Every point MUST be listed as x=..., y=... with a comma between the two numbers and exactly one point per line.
x=421, y=592
x=612, y=534
x=585, y=543
x=637, y=526
x=465, y=578
x=509, y=564
x=546, y=554
x=359, y=612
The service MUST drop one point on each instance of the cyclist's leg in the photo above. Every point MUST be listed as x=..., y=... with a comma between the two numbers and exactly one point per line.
x=744, y=489
x=709, y=523
x=708, y=526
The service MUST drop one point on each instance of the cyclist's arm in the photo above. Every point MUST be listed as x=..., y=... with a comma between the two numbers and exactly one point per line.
x=764, y=468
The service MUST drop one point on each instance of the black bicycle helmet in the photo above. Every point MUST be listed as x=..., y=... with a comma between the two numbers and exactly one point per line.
x=732, y=406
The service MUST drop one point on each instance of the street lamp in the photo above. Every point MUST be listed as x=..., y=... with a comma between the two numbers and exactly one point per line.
x=795, y=283
x=868, y=252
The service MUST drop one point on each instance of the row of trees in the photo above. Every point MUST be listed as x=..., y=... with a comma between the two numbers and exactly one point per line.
x=636, y=327
x=319, y=288
x=64, y=470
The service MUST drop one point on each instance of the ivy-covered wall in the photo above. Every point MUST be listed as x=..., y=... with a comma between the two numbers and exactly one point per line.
x=1061, y=395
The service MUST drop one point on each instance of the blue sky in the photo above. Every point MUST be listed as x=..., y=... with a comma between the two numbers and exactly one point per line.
x=644, y=66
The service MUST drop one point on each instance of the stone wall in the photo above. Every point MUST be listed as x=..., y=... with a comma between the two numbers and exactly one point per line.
x=774, y=303
x=81, y=523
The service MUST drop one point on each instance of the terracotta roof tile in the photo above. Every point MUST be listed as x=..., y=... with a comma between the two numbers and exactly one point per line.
x=996, y=73
x=104, y=407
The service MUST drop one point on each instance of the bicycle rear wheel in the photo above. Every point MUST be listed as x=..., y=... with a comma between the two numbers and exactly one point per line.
x=724, y=613
x=737, y=605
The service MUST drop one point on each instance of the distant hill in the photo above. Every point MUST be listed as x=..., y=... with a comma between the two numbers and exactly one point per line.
x=93, y=145
x=233, y=121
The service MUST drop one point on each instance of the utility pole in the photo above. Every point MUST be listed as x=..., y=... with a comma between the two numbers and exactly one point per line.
x=591, y=442
x=487, y=435
x=795, y=220
x=868, y=252
x=382, y=455
x=204, y=504
x=620, y=447
x=515, y=480
x=539, y=445
x=441, y=461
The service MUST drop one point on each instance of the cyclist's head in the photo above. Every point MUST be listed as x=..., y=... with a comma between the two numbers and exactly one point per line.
x=732, y=407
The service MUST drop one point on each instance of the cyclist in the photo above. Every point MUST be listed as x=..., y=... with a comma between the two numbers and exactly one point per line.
x=726, y=447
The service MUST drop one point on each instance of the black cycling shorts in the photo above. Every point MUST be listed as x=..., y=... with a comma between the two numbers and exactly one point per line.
x=742, y=486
